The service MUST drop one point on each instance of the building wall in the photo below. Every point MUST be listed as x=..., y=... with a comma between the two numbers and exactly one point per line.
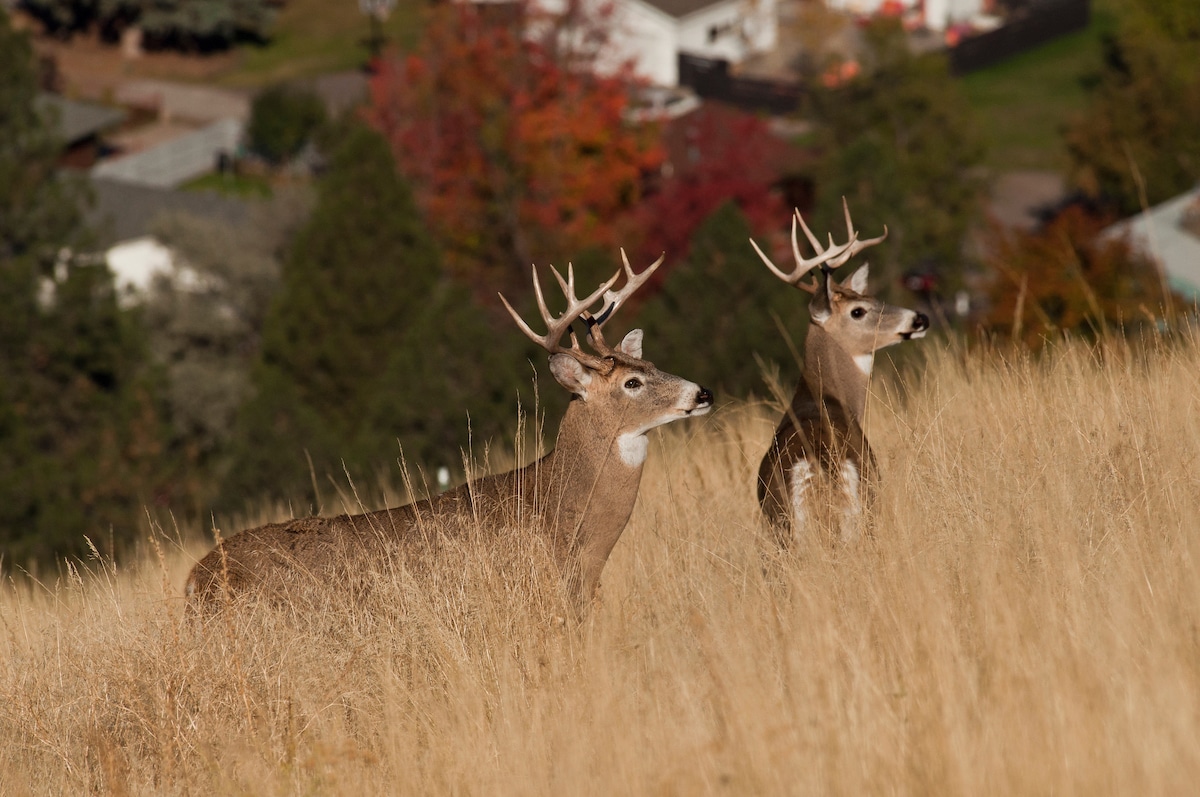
x=652, y=39
x=731, y=30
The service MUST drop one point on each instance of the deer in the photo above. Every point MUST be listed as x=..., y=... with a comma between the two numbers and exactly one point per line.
x=820, y=471
x=577, y=499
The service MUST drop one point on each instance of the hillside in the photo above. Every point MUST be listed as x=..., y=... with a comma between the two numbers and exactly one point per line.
x=1023, y=622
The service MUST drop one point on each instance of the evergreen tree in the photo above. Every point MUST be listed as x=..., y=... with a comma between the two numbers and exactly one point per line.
x=720, y=314
x=39, y=214
x=178, y=24
x=900, y=146
x=365, y=343
x=80, y=428
x=1137, y=142
x=282, y=120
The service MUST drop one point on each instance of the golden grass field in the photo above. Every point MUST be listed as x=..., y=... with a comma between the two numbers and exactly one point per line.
x=1026, y=620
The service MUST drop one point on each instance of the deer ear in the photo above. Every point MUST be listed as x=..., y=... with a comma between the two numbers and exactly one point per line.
x=857, y=281
x=631, y=344
x=570, y=374
x=821, y=306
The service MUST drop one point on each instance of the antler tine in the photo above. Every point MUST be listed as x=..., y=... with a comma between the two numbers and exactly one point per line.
x=812, y=239
x=556, y=327
x=614, y=300
x=774, y=270
x=529, y=333
x=853, y=246
x=803, y=266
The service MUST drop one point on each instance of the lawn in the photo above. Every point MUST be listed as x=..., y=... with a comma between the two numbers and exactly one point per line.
x=237, y=185
x=318, y=36
x=1023, y=103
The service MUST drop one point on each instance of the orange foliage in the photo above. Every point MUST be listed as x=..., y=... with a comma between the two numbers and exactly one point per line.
x=514, y=137
x=1067, y=277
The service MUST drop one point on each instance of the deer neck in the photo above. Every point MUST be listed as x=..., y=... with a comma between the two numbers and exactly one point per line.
x=831, y=371
x=587, y=488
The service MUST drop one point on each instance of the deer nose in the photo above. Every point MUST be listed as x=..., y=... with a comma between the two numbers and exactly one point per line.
x=704, y=397
x=921, y=322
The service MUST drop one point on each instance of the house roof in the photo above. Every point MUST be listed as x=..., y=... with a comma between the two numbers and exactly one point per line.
x=78, y=120
x=1161, y=233
x=681, y=8
x=123, y=211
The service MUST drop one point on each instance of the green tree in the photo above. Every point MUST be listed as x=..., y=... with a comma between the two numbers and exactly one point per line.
x=366, y=341
x=900, y=146
x=282, y=120
x=80, y=419
x=39, y=213
x=721, y=314
x=1137, y=141
x=177, y=24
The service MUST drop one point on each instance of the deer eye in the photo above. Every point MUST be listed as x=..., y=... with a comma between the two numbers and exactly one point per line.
x=857, y=313
x=633, y=383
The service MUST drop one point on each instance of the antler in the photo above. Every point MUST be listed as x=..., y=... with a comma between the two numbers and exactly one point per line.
x=614, y=299
x=556, y=327
x=828, y=258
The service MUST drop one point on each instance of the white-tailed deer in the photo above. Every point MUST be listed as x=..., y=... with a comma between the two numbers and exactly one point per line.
x=820, y=470
x=577, y=498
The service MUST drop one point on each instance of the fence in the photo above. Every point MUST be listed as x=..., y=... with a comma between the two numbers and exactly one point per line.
x=1035, y=23
x=710, y=79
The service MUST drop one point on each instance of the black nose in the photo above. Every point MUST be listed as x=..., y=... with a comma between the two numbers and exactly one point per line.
x=705, y=396
x=920, y=322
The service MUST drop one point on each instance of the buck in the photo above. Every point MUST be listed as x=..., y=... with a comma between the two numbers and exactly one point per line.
x=577, y=499
x=820, y=470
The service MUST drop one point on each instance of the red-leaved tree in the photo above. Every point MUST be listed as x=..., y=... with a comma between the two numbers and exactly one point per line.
x=510, y=125
x=1070, y=277
x=715, y=154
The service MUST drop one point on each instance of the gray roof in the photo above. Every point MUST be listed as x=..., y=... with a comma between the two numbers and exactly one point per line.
x=78, y=120
x=681, y=8
x=174, y=162
x=125, y=210
x=1159, y=232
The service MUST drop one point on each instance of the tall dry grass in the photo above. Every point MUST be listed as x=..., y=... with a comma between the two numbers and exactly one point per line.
x=1025, y=621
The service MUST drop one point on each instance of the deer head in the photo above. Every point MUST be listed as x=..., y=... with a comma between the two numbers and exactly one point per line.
x=620, y=389
x=859, y=324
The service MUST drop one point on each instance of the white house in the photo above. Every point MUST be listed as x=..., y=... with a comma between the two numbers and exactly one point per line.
x=652, y=33
x=936, y=14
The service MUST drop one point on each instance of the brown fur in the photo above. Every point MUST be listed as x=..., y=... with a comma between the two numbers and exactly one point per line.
x=576, y=500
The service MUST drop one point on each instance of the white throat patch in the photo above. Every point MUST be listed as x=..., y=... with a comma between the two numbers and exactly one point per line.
x=633, y=448
x=865, y=363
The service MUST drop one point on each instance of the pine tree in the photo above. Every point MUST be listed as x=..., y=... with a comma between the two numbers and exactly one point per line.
x=365, y=344
x=80, y=414
x=1137, y=142
x=179, y=24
